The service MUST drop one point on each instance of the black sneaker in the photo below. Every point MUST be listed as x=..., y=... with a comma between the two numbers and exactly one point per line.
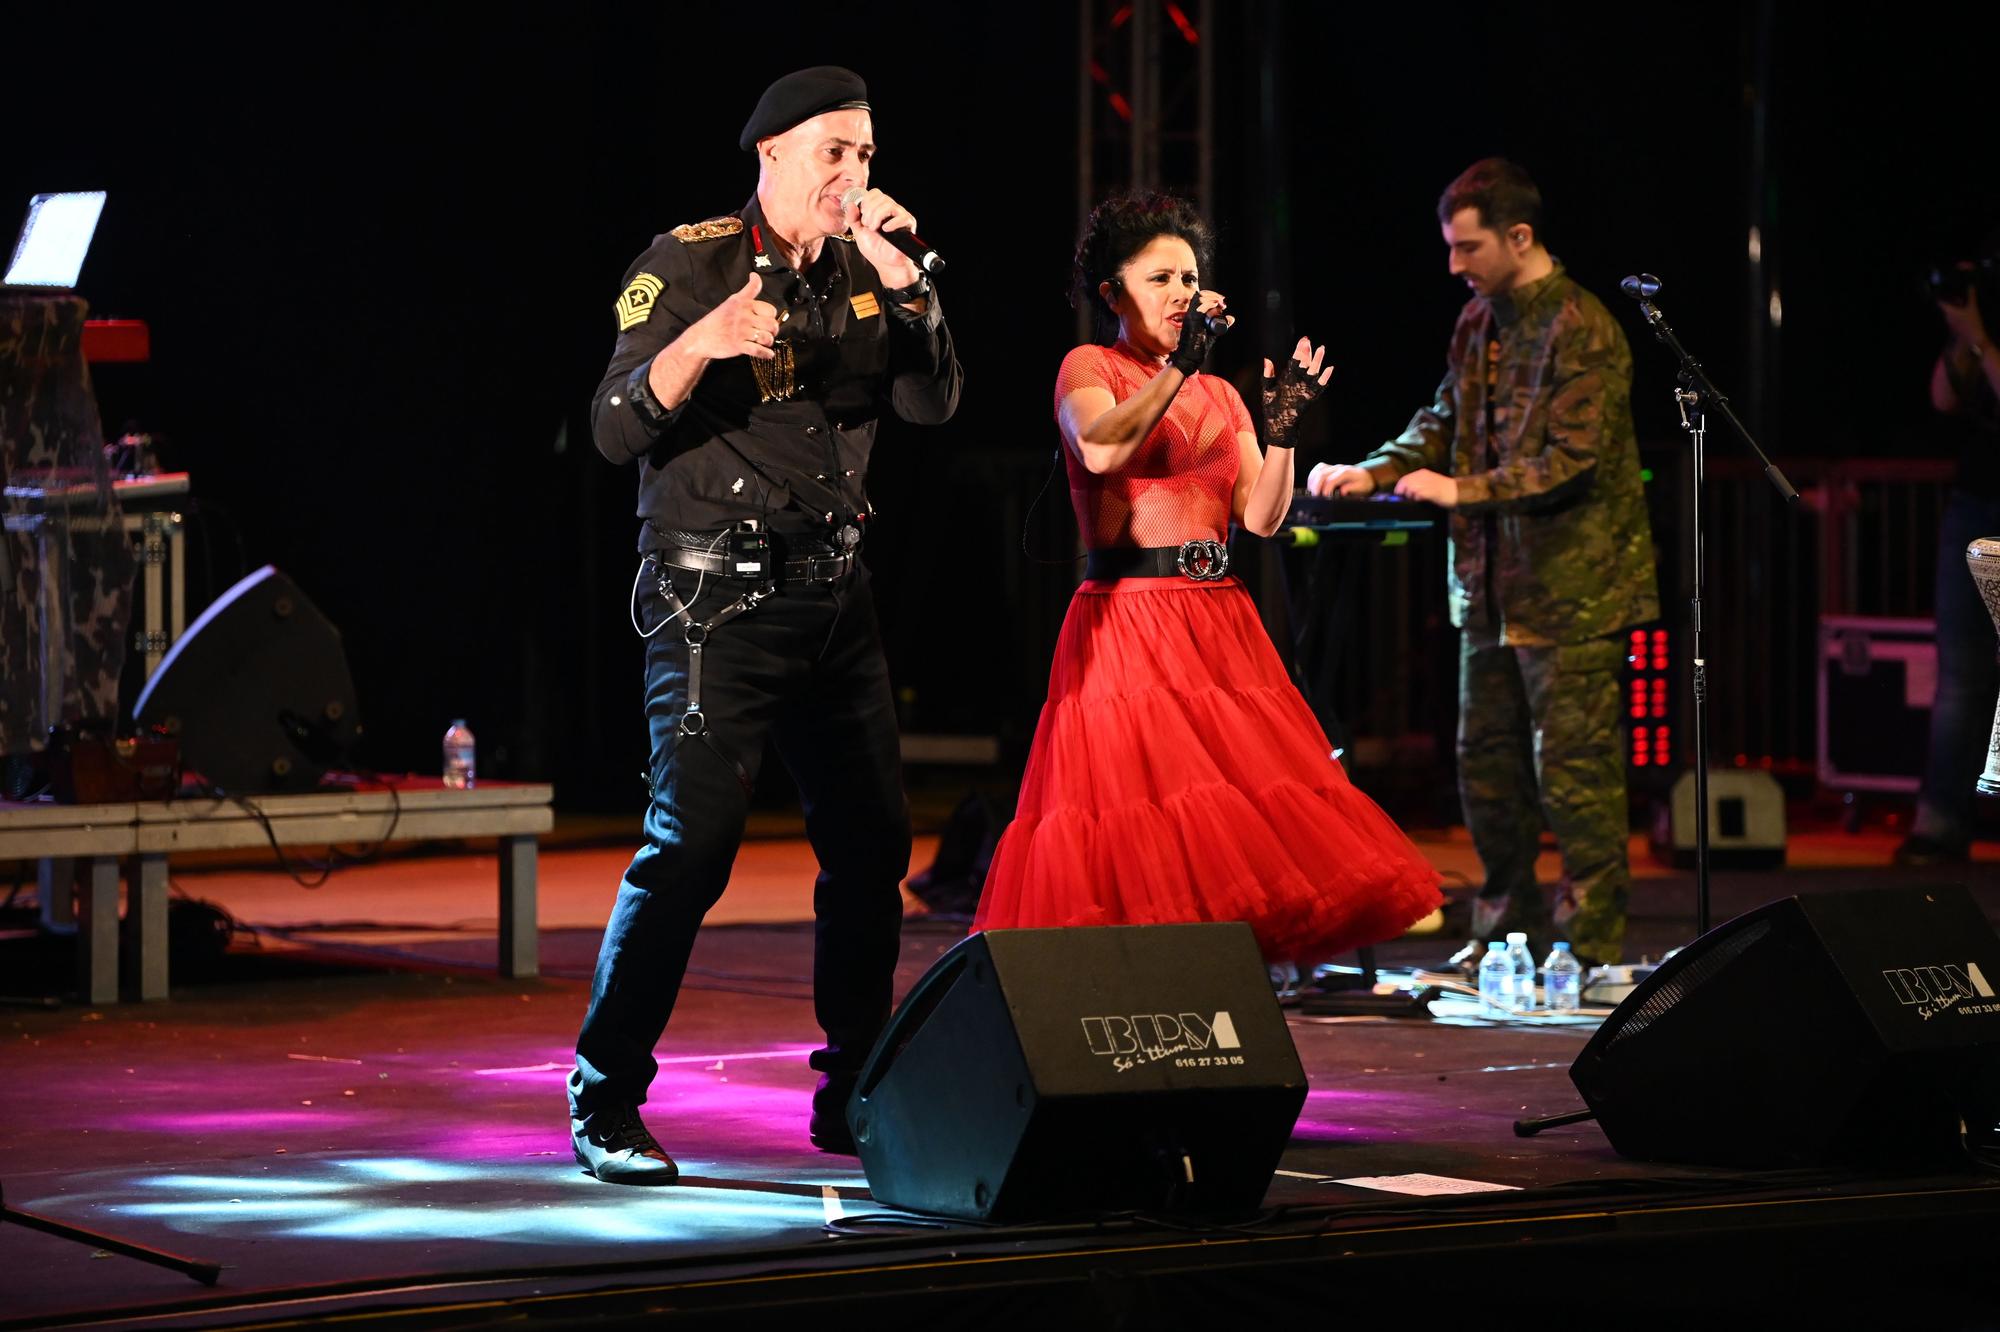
x=1920, y=852
x=1465, y=961
x=613, y=1145
x=827, y=1129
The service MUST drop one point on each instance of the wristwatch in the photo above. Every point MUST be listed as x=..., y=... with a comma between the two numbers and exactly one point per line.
x=916, y=291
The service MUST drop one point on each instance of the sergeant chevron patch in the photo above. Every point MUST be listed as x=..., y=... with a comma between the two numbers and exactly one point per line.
x=636, y=304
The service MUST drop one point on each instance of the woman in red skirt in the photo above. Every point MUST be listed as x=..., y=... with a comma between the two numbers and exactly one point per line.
x=1176, y=774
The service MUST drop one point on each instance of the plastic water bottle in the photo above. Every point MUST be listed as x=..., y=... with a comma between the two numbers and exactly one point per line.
x=1564, y=977
x=1523, y=963
x=1496, y=977
x=459, y=755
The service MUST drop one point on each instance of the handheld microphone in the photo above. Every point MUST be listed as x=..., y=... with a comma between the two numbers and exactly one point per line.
x=1644, y=287
x=905, y=240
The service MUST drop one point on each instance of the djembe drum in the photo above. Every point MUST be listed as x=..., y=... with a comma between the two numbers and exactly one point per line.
x=1983, y=556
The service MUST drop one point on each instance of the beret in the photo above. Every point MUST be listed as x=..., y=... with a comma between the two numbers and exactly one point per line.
x=801, y=95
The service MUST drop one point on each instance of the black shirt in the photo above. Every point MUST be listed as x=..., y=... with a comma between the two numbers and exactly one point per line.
x=1974, y=432
x=728, y=453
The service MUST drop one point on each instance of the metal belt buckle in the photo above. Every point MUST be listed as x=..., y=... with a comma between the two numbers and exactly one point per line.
x=825, y=568
x=1204, y=561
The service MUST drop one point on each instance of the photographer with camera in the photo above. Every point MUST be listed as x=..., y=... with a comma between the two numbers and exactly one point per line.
x=1965, y=387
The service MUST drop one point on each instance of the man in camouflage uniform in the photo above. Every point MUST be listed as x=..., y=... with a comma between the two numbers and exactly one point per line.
x=1530, y=446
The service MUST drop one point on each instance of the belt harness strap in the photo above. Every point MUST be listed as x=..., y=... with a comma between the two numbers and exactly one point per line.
x=695, y=634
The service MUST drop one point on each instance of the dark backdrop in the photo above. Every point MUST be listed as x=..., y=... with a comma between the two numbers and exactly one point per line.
x=378, y=256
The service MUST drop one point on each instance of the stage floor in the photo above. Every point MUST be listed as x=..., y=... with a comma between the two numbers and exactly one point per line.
x=354, y=1117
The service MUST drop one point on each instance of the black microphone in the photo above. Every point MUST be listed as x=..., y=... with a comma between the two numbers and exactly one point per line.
x=1644, y=287
x=905, y=240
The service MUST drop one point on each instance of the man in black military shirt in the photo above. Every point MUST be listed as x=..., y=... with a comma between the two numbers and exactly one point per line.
x=755, y=353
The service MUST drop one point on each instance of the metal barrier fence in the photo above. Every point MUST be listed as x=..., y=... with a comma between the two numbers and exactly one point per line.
x=1859, y=543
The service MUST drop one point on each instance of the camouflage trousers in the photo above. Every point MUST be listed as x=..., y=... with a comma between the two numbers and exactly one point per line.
x=1539, y=741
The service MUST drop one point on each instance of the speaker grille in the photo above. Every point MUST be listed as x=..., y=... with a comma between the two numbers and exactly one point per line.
x=916, y=1011
x=1688, y=979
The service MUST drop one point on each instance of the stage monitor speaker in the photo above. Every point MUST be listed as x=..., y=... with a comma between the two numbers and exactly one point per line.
x=1848, y=1027
x=257, y=689
x=1746, y=820
x=1036, y=1074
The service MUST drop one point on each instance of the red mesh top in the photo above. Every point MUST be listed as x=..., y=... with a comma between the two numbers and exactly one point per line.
x=1177, y=486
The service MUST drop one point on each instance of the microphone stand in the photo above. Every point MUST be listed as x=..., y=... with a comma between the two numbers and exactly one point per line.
x=198, y=1268
x=1695, y=397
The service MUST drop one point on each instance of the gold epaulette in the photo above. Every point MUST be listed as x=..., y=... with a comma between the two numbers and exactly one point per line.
x=713, y=229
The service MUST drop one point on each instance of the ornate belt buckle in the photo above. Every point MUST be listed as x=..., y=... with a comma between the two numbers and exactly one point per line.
x=1203, y=560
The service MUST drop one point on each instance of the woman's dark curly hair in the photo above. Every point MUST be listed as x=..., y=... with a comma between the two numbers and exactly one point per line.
x=1119, y=228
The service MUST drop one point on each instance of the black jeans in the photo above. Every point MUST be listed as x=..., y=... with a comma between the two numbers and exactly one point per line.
x=805, y=670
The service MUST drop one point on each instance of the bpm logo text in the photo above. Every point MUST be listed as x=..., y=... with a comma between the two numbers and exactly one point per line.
x=1932, y=990
x=1141, y=1038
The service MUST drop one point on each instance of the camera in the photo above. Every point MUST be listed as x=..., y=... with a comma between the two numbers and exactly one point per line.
x=1950, y=282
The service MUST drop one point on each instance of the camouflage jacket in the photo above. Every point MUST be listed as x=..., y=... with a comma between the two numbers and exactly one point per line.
x=1550, y=540
x=50, y=435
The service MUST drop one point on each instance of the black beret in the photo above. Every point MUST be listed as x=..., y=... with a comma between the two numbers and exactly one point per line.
x=801, y=95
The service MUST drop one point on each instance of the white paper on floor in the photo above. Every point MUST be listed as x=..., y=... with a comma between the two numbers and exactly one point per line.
x=1425, y=1186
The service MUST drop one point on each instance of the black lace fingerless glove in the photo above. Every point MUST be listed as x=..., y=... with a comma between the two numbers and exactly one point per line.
x=1286, y=394
x=1197, y=336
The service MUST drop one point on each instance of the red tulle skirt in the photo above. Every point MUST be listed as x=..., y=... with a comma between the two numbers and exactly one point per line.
x=1177, y=775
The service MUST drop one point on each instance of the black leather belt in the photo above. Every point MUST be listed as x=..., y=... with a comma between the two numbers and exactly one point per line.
x=824, y=567
x=1202, y=561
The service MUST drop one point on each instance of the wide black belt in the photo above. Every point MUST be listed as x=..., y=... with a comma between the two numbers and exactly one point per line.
x=818, y=567
x=1202, y=561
